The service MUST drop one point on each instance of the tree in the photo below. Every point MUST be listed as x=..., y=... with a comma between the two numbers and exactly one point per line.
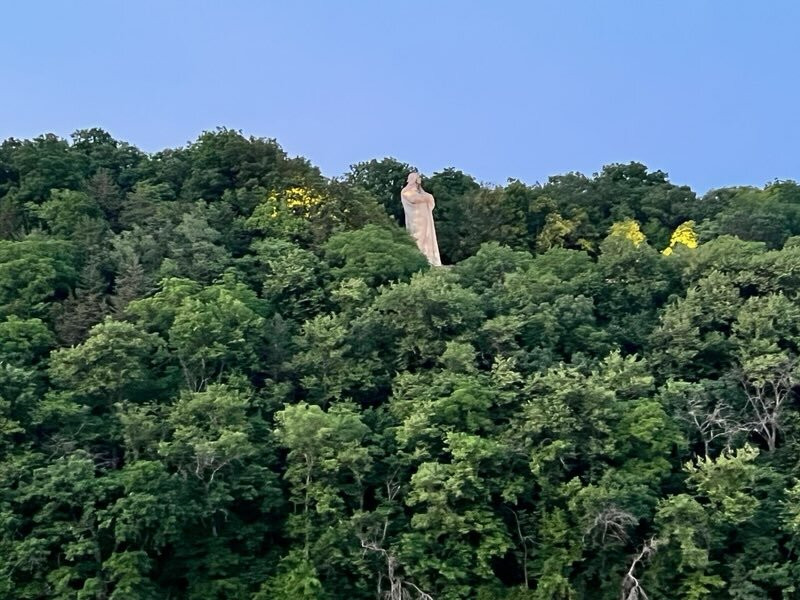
x=116, y=362
x=287, y=214
x=683, y=235
x=636, y=281
x=691, y=532
x=450, y=188
x=211, y=330
x=43, y=164
x=709, y=412
x=485, y=271
x=383, y=179
x=325, y=364
x=148, y=205
x=24, y=342
x=210, y=433
x=346, y=207
x=291, y=278
x=107, y=196
x=692, y=340
x=411, y=322
x=447, y=498
x=193, y=250
x=328, y=461
x=67, y=553
x=74, y=215
x=769, y=215
x=486, y=215
x=33, y=273
x=105, y=156
x=225, y=159
x=767, y=343
x=375, y=254
x=85, y=307
x=129, y=284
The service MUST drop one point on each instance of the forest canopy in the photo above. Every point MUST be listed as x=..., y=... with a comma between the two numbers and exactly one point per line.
x=224, y=375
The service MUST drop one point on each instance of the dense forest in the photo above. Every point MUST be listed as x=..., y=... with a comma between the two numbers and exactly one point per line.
x=225, y=376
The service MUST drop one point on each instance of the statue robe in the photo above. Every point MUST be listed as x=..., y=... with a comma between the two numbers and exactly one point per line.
x=418, y=206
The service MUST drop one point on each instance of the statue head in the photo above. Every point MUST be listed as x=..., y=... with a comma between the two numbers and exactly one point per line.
x=414, y=178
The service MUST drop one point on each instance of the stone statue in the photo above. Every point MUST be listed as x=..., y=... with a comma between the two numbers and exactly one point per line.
x=418, y=206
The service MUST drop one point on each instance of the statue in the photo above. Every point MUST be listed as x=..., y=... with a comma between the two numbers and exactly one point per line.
x=418, y=206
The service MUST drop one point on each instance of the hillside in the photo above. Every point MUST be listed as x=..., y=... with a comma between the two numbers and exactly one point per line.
x=223, y=375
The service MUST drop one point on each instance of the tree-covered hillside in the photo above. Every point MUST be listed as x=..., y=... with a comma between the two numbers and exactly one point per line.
x=225, y=376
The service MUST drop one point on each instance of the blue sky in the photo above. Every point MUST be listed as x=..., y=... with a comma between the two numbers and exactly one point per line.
x=705, y=90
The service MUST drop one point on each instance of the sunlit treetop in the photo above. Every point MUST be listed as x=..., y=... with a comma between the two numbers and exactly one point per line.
x=684, y=234
x=628, y=229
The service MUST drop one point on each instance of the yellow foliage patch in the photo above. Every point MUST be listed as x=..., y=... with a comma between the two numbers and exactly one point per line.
x=683, y=234
x=628, y=229
x=301, y=201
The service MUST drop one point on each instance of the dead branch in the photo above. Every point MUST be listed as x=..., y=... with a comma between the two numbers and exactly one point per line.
x=631, y=585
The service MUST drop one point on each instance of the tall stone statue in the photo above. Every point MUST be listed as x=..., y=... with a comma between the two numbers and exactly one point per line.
x=418, y=206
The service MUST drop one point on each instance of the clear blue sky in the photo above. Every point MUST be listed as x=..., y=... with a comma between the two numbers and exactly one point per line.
x=708, y=91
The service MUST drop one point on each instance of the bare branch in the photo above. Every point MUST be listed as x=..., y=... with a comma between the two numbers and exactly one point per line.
x=719, y=421
x=399, y=588
x=631, y=585
x=611, y=523
x=766, y=398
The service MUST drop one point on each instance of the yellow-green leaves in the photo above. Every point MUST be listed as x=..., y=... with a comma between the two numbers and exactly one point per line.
x=629, y=230
x=683, y=235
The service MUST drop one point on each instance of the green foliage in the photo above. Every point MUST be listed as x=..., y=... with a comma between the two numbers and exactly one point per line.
x=34, y=272
x=210, y=432
x=449, y=187
x=486, y=270
x=375, y=254
x=383, y=179
x=326, y=364
x=223, y=375
x=24, y=341
x=194, y=250
x=290, y=276
x=412, y=321
x=211, y=330
x=297, y=579
x=112, y=363
x=71, y=215
x=485, y=215
x=769, y=215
